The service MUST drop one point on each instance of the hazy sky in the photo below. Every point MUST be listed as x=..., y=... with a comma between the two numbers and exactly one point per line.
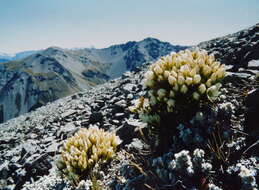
x=38, y=24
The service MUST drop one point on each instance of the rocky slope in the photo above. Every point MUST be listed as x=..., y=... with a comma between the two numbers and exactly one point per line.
x=29, y=144
x=54, y=73
x=236, y=49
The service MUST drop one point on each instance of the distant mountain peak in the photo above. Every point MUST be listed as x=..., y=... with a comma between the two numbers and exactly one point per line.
x=54, y=48
x=151, y=39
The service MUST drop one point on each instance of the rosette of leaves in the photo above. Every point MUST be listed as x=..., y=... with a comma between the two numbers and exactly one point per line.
x=81, y=152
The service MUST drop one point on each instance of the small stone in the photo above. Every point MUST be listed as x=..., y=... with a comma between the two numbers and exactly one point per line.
x=251, y=116
x=95, y=117
x=80, y=107
x=130, y=96
x=67, y=130
x=53, y=148
x=128, y=88
x=119, y=106
x=4, y=170
x=115, y=122
x=73, y=97
x=68, y=113
x=119, y=115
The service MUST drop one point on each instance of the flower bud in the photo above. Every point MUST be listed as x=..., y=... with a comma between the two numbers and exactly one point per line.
x=180, y=80
x=212, y=90
x=184, y=89
x=178, y=61
x=170, y=109
x=213, y=94
x=158, y=70
x=172, y=80
x=166, y=74
x=220, y=72
x=161, y=93
x=149, y=75
x=151, y=93
x=176, y=87
x=208, y=83
x=165, y=99
x=172, y=94
x=215, y=66
x=173, y=73
x=201, y=61
x=160, y=78
x=188, y=81
x=170, y=102
x=197, y=79
x=213, y=77
x=218, y=85
x=153, y=100
x=206, y=70
x=196, y=96
x=202, y=88
x=192, y=72
x=184, y=69
x=149, y=83
x=168, y=59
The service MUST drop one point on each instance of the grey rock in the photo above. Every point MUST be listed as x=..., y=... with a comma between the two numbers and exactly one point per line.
x=67, y=113
x=119, y=106
x=129, y=130
x=29, y=147
x=115, y=122
x=253, y=63
x=130, y=96
x=119, y=116
x=129, y=88
x=67, y=130
x=4, y=170
x=53, y=148
x=95, y=117
x=136, y=144
x=252, y=104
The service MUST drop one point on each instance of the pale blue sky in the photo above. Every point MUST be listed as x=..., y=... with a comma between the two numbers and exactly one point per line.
x=38, y=24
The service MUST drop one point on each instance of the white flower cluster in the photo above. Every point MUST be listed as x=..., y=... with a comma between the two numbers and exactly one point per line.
x=84, y=185
x=213, y=187
x=227, y=107
x=247, y=177
x=199, y=163
x=185, y=164
x=86, y=148
x=189, y=73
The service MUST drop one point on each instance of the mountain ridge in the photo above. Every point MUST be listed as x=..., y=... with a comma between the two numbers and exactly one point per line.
x=54, y=72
